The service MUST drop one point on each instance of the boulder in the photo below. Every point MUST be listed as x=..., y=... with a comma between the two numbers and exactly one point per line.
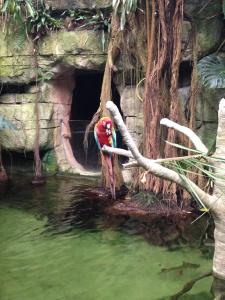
x=208, y=104
x=81, y=49
x=208, y=19
x=132, y=108
x=201, y=7
x=23, y=117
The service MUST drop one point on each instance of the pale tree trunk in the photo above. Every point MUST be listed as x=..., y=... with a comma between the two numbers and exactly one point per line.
x=215, y=202
x=219, y=193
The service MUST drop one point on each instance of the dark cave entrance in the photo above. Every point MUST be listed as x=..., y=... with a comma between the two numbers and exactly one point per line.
x=86, y=100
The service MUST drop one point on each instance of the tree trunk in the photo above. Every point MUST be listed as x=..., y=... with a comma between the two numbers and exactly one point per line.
x=219, y=193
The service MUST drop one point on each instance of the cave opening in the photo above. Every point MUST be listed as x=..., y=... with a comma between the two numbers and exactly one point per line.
x=86, y=100
x=185, y=73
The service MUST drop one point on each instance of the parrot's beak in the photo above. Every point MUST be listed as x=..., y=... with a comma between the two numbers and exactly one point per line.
x=108, y=132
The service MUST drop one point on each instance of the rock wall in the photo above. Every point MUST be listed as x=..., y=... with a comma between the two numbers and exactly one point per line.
x=62, y=52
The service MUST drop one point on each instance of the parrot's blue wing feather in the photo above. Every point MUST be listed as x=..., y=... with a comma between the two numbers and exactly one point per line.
x=114, y=143
x=96, y=139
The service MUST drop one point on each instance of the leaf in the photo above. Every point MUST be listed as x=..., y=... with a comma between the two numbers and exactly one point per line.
x=204, y=209
x=30, y=9
x=211, y=71
x=5, y=6
x=183, y=147
x=123, y=19
x=116, y=6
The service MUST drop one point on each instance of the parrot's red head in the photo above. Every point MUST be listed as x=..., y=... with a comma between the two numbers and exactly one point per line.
x=105, y=125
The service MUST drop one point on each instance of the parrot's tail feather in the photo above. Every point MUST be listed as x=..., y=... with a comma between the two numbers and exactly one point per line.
x=109, y=164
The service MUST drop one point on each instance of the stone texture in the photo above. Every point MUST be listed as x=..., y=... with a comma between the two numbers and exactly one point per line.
x=81, y=49
x=22, y=116
x=209, y=34
x=129, y=102
x=209, y=26
x=208, y=104
x=200, y=7
x=207, y=133
x=132, y=109
x=18, y=98
x=206, y=111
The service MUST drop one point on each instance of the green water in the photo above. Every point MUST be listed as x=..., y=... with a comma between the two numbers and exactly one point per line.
x=51, y=247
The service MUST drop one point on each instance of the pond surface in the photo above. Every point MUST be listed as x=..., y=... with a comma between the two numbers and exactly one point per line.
x=54, y=246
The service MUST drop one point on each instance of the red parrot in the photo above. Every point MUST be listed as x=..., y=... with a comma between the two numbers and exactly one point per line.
x=105, y=134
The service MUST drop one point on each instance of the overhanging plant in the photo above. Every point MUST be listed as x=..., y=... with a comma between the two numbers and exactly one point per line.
x=211, y=71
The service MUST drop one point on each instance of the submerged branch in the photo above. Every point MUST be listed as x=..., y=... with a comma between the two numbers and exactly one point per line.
x=189, y=285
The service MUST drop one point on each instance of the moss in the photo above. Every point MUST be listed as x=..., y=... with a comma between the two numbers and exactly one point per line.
x=49, y=162
x=7, y=46
x=20, y=68
x=18, y=98
x=71, y=42
x=209, y=34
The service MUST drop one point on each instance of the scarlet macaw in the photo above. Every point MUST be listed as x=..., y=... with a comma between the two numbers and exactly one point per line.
x=105, y=134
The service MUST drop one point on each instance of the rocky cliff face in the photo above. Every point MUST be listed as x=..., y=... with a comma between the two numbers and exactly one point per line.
x=59, y=53
x=70, y=50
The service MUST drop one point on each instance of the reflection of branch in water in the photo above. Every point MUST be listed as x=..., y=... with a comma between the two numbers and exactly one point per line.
x=218, y=288
x=179, y=269
x=188, y=286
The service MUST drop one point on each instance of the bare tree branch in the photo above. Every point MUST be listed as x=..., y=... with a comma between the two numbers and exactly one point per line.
x=188, y=132
x=117, y=151
x=152, y=166
x=131, y=164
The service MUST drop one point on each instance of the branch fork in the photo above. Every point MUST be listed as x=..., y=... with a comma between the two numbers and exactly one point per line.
x=154, y=166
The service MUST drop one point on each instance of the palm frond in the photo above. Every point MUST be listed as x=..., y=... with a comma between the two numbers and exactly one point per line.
x=211, y=71
x=200, y=166
x=122, y=8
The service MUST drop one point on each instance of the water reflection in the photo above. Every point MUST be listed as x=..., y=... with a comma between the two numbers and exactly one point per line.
x=57, y=244
x=218, y=289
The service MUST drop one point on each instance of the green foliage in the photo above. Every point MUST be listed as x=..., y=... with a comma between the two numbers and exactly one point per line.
x=42, y=21
x=44, y=75
x=211, y=71
x=49, y=162
x=23, y=20
x=95, y=19
x=16, y=12
x=200, y=166
x=15, y=9
x=122, y=8
x=86, y=19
